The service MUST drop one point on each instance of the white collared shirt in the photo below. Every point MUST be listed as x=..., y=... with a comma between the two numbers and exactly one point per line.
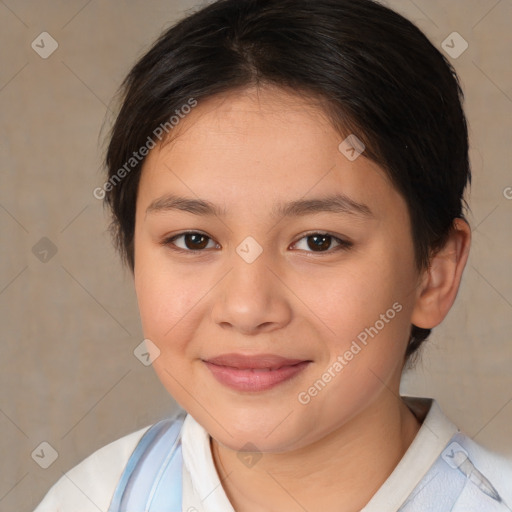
x=89, y=486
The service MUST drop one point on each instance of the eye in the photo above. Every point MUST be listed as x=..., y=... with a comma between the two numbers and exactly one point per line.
x=321, y=242
x=192, y=241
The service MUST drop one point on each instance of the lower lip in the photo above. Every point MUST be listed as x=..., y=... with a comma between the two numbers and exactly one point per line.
x=254, y=380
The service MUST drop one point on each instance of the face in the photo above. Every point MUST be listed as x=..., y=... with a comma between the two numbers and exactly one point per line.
x=297, y=252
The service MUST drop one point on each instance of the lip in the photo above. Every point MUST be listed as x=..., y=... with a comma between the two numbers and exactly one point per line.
x=254, y=373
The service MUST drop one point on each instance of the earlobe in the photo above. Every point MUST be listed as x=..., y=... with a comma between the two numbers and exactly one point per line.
x=440, y=282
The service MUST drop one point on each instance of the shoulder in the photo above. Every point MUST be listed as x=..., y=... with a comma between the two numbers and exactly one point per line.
x=89, y=486
x=496, y=468
x=445, y=469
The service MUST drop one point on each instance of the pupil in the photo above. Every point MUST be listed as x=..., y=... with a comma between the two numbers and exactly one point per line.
x=324, y=244
x=194, y=238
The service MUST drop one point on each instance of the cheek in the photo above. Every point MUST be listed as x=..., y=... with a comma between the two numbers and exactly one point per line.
x=367, y=309
x=170, y=306
x=352, y=297
x=166, y=296
x=368, y=320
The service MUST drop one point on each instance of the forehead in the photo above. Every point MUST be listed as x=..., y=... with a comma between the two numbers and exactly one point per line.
x=245, y=118
x=254, y=148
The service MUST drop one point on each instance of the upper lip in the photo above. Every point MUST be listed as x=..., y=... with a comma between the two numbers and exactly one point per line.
x=244, y=362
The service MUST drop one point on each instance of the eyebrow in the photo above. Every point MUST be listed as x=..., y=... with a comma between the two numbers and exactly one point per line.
x=337, y=203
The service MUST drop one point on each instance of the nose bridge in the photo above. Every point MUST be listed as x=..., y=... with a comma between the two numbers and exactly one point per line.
x=251, y=295
x=250, y=275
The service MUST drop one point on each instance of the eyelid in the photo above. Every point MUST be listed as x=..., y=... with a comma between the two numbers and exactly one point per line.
x=343, y=244
x=168, y=240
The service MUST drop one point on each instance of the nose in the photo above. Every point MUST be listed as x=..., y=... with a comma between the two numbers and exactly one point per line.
x=252, y=297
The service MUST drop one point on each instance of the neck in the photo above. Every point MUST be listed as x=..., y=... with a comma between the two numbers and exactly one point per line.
x=368, y=448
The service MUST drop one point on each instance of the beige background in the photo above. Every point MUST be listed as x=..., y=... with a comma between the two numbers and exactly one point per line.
x=70, y=325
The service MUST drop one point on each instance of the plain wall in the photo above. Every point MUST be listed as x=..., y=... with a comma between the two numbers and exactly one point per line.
x=69, y=325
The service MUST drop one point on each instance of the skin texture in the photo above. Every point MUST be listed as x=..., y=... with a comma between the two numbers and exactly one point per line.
x=247, y=151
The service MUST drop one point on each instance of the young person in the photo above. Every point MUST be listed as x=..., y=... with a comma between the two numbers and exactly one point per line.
x=286, y=179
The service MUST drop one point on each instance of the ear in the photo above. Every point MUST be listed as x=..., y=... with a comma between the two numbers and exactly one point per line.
x=439, y=284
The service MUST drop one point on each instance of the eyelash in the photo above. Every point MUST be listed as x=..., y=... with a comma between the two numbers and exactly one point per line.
x=344, y=245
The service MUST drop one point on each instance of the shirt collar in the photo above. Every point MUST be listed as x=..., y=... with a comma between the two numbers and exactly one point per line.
x=203, y=490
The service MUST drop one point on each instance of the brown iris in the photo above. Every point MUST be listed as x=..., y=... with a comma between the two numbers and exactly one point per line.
x=320, y=241
x=197, y=241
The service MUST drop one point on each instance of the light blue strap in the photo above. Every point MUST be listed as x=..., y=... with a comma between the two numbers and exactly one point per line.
x=447, y=481
x=151, y=481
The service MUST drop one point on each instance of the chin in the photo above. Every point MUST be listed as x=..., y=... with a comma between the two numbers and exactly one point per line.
x=267, y=433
